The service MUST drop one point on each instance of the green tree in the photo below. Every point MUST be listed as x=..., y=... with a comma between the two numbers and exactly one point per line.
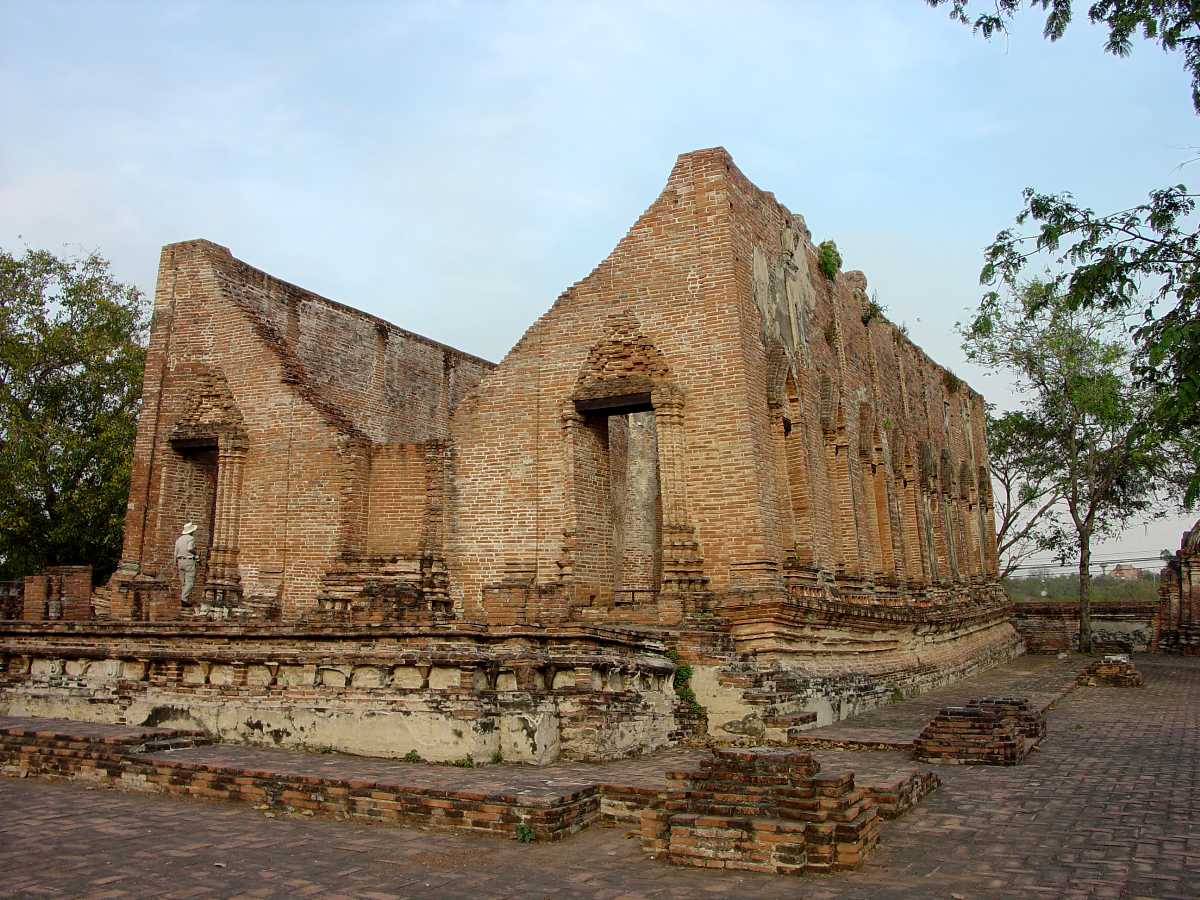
x=1101, y=450
x=1109, y=259
x=1029, y=495
x=71, y=358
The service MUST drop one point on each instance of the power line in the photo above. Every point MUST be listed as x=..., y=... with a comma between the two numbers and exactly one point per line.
x=1130, y=557
x=1071, y=568
x=1095, y=562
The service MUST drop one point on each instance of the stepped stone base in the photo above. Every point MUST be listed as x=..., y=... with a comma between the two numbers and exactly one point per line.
x=445, y=692
x=992, y=731
x=762, y=811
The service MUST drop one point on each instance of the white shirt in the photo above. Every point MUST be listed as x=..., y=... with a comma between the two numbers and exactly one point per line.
x=185, y=547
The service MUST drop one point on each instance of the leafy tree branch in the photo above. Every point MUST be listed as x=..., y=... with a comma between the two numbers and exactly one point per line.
x=71, y=358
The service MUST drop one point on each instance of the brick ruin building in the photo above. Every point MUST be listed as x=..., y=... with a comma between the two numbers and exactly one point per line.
x=706, y=450
x=1179, y=597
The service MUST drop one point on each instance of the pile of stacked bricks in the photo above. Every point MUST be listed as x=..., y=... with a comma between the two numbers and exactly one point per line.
x=990, y=731
x=1031, y=723
x=1111, y=671
x=762, y=811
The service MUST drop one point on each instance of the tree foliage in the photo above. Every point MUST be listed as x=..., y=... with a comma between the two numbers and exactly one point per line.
x=71, y=358
x=1144, y=260
x=1028, y=495
x=1098, y=445
x=1173, y=24
x=1104, y=588
x=1107, y=260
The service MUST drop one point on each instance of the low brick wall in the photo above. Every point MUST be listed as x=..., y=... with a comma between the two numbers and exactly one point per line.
x=762, y=811
x=60, y=593
x=1116, y=627
x=120, y=765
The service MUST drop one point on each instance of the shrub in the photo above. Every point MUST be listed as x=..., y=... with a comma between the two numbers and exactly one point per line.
x=682, y=681
x=871, y=309
x=829, y=261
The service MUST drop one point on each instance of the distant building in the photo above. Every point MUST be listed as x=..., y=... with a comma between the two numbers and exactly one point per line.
x=1128, y=572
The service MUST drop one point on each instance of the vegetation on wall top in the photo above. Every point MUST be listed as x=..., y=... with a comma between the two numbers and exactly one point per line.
x=829, y=261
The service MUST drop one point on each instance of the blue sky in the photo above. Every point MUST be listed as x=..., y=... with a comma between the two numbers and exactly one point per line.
x=453, y=167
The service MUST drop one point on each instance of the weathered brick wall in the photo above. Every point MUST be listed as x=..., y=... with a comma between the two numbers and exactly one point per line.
x=1179, y=596
x=704, y=409
x=399, y=499
x=796, y=432
x=293, y=392
x=1116, y=627
x=521, y=494
x=59, y=593
x=869, y=411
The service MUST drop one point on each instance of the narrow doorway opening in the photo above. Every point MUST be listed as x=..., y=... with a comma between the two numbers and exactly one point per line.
x=194, y=499
x=619, y=501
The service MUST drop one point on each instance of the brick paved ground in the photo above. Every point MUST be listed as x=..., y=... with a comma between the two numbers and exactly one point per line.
x=1110, y=807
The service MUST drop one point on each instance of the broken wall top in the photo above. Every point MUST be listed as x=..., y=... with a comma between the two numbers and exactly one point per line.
x=367, y=377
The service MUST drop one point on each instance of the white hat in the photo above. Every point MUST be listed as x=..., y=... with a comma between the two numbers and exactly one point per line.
x=189, y=528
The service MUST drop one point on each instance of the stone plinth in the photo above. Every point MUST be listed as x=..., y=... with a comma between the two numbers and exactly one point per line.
x=445, y=692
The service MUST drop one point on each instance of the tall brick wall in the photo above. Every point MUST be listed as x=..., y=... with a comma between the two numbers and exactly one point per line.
x=289, y=394
x=521, y=467
x=794, y=426
x=867, y=408
x=706, y=417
